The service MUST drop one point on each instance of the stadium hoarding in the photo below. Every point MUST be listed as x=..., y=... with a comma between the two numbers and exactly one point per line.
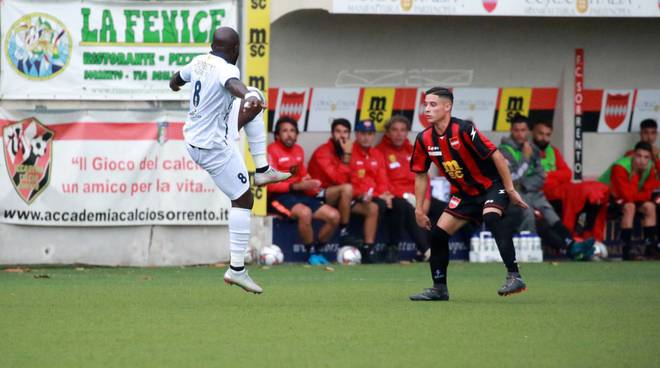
x=87, y=168
x=91, y=50
x=522, y=8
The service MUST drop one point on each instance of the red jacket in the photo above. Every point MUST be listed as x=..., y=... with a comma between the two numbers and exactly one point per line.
x=397, y=159
x=627, y=188
x=286, y=159
x=327, y=167
x=368, y=170
x=556, y=178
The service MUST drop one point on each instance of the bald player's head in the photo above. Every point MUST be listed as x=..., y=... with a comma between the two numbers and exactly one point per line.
x=226, y=43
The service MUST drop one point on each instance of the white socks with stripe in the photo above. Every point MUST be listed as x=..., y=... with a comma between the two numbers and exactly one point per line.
x=239, y=235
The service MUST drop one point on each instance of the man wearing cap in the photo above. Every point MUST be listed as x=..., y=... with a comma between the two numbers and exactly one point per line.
x=371, y=187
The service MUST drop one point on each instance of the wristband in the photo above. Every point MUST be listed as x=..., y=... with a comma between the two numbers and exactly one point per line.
x=250, y=94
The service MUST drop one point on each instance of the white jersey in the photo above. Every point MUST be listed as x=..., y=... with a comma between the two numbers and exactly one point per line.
x=210, y=102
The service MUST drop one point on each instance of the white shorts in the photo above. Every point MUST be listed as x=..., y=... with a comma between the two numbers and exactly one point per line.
x=226, y=167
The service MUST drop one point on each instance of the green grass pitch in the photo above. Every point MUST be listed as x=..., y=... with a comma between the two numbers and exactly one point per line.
x=573, y=315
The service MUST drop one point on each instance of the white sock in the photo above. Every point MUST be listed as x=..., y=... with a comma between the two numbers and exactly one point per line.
x=239, y=235
x=256, y=137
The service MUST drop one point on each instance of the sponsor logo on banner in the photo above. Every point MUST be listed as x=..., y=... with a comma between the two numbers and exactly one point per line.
x=328, y=104
x=377, y=104
x=489, y=5
x=512, y=101
x=477, y=105
x=292, y=103
x=38, y=46
x=28, y=152
x=582, y=6
x=647, y=106
x=615, y=111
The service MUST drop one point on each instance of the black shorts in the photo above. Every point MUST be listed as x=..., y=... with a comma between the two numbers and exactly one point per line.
x=283, y=203
x=471, y=208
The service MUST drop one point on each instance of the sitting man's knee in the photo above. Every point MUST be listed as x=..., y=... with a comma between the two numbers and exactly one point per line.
x=302, y=213
x=347, y=190
x=628, y=209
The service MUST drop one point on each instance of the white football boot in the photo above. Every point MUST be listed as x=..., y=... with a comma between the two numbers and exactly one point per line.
x=270, y=176
x=243, y=280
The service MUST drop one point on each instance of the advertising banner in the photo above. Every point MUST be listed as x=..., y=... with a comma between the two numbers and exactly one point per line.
x=522, y=8
x=83, y=49
x=114, y=168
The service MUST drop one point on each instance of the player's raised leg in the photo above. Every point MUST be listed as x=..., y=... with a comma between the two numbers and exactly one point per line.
x=253, y=123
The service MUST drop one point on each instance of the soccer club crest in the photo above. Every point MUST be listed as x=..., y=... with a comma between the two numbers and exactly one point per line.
x=27, y=147
x=292, y=104
x=455, y=143
x=454, y=202
x=489, y=5
x=616, y=109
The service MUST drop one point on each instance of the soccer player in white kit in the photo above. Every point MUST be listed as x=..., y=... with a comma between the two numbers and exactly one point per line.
x=215, y=81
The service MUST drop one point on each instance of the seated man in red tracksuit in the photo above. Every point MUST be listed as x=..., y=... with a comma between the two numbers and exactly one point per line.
x=371, y=187
x=294, y=197
x=633, y=180
x=588, y=196
x=397, y=150
x=330, y=164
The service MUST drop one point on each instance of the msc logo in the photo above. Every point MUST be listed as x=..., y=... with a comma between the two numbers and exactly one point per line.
x=377, y=107
x=514, y=106
x=453, y=169
x=257, y=44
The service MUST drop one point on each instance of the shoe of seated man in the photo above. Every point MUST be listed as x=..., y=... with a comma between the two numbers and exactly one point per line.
x=582, y=250
x=243, y=280
x=318, y=260
x=270, y=176
x=432, y=294
x=513, y=284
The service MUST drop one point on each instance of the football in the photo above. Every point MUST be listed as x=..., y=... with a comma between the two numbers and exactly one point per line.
x=349, y=255
x=271, y=255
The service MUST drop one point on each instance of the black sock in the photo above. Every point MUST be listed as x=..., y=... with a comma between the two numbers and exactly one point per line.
x=237, y=269
x=310, y=248
x=563, y=232
x=626, y=237
x=319, y=246
x=439, y=260
x=503, y=238
x=649, y=234
x=263, y=169
x=343, y=229
x=592, y=213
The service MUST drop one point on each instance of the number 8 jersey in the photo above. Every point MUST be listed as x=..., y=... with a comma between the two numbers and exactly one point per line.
x=462, y=154
x=210, y=102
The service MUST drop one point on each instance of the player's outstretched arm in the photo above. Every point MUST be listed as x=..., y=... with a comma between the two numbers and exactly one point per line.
x=421, y=186
x=503, y=170
x=176, y=82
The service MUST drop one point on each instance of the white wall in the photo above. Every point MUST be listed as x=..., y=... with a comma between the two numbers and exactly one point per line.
x=311, y=47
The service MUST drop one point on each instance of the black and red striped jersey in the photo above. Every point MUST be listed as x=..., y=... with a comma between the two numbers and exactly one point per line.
x=462, y=154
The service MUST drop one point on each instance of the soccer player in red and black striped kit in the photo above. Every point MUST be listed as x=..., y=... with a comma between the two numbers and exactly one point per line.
x=481, y=189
